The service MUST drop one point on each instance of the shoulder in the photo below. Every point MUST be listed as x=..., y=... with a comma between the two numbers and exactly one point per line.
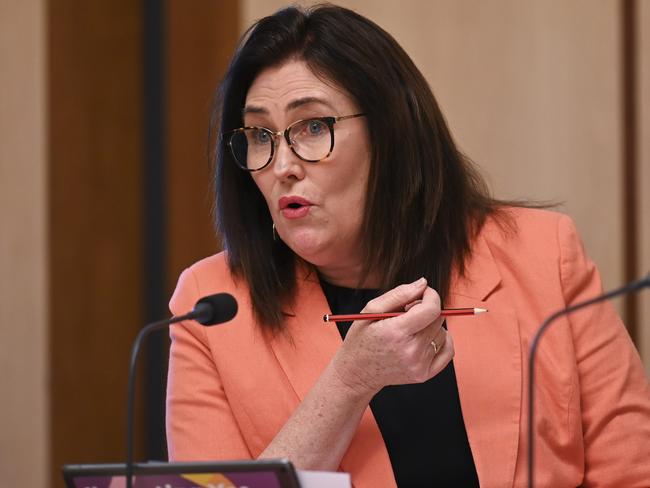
x=522, y=223
x=210, y=268
x=538, y=249
x=516, y=231
x=205, y=277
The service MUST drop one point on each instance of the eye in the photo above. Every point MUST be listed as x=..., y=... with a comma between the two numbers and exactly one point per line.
x=316, y=127
x=260, y=137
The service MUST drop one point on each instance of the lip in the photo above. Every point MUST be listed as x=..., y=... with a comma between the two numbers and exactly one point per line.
x=284, y=202
x=294, y=207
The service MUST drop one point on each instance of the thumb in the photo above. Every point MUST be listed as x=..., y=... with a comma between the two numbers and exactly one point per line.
x=397, y=298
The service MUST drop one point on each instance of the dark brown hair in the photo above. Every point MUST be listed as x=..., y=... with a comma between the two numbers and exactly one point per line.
x=425, y=200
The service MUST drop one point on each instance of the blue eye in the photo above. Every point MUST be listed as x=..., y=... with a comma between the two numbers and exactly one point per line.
x=316, y=127
x=261, y=137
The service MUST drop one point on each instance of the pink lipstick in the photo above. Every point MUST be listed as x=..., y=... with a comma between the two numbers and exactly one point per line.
x=294, y=207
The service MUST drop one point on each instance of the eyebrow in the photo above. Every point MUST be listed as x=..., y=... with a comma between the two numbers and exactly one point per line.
x=253, y=109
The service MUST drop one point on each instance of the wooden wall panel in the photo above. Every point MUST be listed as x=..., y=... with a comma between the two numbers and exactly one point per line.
x=197, y=39
x=201, y=38
x=532, y=93
x=71, y=177
x=95, y=218
x=24, y=422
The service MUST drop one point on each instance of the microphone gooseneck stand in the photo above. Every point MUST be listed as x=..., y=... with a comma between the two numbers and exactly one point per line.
x=209, y=310
x=629, y=288
x=144, y=332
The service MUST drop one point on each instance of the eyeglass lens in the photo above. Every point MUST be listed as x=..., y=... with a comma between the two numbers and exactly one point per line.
x=310, y=139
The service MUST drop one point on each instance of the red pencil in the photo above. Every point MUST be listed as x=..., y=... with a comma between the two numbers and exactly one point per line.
x=449, y=312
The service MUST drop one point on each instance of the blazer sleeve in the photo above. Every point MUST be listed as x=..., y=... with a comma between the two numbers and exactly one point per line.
x=614, y=391
x=200, y=422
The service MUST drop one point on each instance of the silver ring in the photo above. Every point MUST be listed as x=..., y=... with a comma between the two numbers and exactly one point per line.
x=435, y=347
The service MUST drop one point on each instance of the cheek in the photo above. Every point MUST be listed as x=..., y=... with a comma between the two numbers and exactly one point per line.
x=354, y=183
x=349, y=202
x=357, y=208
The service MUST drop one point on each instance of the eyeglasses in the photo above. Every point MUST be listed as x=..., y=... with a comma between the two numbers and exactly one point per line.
x=312, y=140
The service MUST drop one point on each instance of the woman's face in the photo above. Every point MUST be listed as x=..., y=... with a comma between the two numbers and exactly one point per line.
x=317, y=208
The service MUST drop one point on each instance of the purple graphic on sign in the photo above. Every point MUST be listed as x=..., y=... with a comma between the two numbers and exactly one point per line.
x=258, y=479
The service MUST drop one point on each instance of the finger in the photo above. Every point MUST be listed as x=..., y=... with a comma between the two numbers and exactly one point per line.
x=422, y=314
x=431, y=331
x=397, y=298
x=444, y=356
x=438, y=342
x=408, y=306
x=441, y=333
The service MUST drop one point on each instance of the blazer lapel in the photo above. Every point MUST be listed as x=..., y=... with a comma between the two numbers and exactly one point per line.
x=309, y=343
x=303, y=353
x=488, y=364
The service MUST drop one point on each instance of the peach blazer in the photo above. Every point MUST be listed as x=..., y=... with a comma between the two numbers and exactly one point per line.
x=231, y=388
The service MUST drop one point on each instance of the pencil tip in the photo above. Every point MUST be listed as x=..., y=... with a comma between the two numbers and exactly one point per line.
x=326, y=318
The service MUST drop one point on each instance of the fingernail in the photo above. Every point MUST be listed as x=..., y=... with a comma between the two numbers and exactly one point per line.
x=421, y=281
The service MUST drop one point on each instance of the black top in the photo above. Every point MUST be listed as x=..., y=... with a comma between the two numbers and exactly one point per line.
x=422, y=424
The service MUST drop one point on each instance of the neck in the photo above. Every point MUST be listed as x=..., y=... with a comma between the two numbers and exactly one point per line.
x=348, y=276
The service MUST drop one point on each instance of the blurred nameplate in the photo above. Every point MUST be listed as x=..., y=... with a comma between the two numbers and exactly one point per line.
x=226, y=474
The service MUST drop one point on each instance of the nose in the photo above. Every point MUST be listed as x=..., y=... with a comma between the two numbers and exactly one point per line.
x=286, y=164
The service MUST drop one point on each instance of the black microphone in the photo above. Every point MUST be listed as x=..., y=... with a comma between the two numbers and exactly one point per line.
x=629, y=288
x=210, y=310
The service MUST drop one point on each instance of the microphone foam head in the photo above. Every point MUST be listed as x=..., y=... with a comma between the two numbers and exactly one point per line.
x=216, y=309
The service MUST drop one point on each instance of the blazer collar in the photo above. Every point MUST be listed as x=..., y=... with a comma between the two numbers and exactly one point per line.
x=481, y=275
x=488, y=364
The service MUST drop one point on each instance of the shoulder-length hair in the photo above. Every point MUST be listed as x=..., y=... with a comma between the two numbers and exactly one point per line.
x=425, y=201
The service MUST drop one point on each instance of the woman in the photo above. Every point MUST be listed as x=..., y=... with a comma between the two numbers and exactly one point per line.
x=339, y=189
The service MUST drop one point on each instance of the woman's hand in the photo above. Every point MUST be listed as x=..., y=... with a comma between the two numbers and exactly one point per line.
x=374, y=354
x=410, y=348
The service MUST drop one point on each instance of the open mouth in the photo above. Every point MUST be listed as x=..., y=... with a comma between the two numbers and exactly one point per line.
x=293, y=202
x=294, y=207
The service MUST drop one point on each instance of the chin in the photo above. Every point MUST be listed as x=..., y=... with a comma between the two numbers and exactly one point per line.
x=309, y=246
